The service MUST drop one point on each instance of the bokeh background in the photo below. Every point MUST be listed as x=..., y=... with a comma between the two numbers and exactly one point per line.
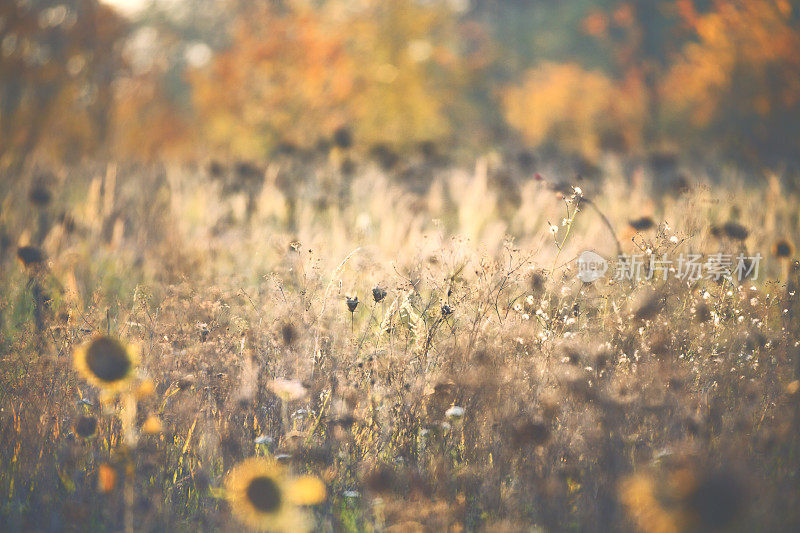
x=341, y=235
x=179, y=79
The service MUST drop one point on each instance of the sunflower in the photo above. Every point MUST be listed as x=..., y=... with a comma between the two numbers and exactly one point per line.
x=258, y=492
x=782, y=249
x=106, y=362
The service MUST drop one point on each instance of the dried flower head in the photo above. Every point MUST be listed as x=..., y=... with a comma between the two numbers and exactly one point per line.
x=378, y=294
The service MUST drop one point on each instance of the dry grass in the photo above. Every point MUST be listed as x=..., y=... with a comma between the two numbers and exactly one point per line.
x=658, y=406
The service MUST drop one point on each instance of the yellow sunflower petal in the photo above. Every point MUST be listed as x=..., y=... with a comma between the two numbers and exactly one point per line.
x=306, y=490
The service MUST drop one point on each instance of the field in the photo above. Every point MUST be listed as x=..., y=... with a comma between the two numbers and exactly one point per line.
x=397, y=345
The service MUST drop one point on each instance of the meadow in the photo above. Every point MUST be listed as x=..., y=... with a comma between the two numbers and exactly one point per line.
x=345, y=341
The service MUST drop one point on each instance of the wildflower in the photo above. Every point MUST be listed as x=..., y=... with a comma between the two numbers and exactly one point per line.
x=257, y=490
x=447, y=310
x=352, y=303
x=378, y=294
x=288, y=389
x=106, y=362
x=455, y=413
x=85, y=426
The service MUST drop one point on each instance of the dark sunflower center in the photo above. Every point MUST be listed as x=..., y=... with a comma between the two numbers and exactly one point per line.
x=108, y=360
x=264, y=494
x=85, y=426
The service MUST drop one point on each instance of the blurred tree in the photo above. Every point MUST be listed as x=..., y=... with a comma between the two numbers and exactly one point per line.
x=285, y=77
x=57, y=65
x=294, y=72
x=244, y=77
x=675, y=72
x=574, y=109
x=739, y=81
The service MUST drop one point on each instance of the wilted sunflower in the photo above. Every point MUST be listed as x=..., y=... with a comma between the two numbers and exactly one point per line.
x=106, y=362
x=258, y=492
x=782, y=248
